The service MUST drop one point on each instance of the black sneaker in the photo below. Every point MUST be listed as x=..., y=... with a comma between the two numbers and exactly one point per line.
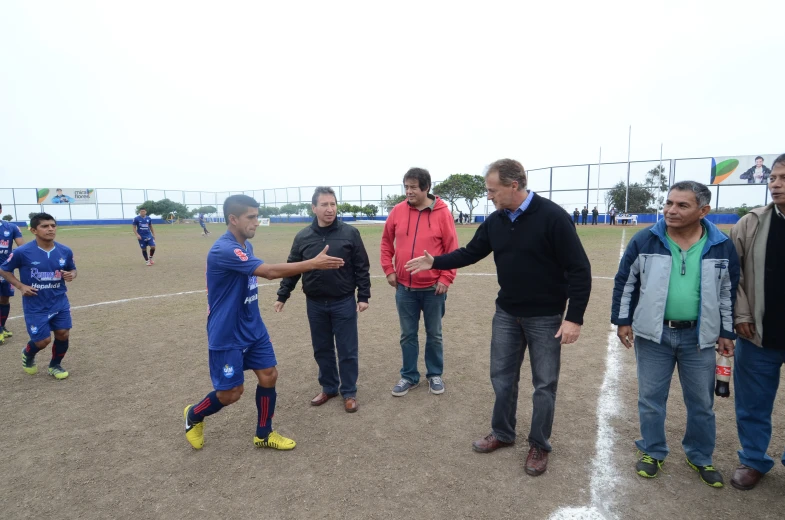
x=709, y=475
x=648, y=467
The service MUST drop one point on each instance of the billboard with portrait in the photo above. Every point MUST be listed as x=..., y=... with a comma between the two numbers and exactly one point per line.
x=66, y=196
x=742, y=169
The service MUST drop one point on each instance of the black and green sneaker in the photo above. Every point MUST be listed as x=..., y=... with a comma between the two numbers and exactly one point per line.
x=709, y=475
x=648, y=467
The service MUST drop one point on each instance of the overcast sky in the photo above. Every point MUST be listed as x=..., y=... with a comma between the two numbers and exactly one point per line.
x=252, y=95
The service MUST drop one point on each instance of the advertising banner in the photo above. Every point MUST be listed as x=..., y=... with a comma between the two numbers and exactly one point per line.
x=743, y=169
x=65, y=196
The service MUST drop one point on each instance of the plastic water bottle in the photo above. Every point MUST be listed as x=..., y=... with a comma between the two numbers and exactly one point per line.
x=723, y=372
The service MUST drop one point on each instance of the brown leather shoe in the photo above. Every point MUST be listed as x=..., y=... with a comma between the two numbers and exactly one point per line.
x=489, y=443
x=536, y=461
x=745, y=478
x=322, y=398
x=350, y=404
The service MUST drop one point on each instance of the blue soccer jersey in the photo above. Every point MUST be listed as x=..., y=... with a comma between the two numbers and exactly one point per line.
x=143, y=226
x=233, y=319
x=8, y=233
x=42, y=270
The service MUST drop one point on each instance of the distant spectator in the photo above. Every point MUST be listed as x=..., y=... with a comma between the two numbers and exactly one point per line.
x=594, y=215
x=575, y=216
x=584, y=215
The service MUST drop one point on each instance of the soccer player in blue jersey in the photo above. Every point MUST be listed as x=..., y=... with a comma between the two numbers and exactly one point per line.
x=44, y=267
x=9, y=234
x=143, y=229
x=204, y=226
x=236, y=335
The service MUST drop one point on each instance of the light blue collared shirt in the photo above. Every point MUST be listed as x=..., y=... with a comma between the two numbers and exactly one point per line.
x=521, y=208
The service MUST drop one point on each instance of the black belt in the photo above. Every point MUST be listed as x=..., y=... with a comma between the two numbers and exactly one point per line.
x=673, y=324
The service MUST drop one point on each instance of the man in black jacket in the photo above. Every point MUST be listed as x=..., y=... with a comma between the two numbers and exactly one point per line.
x=540, y=264
x=330, y=299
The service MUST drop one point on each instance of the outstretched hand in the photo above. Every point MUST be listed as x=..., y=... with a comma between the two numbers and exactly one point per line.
x=419, y=264
x=324, y=261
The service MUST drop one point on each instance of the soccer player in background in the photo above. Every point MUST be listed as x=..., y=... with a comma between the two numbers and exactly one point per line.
x=143, y=229
x=204, y=226
x=237, y=338
x=44, y=267
x=9, y=234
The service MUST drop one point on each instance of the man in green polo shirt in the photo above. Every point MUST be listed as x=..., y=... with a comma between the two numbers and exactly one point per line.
x=673, y=301
x=683, y=300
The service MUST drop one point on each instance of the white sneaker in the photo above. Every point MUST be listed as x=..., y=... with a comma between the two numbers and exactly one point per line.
x=148, y=263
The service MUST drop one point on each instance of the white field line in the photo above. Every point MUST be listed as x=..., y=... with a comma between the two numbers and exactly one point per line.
x=604, y=476
x=126, y=300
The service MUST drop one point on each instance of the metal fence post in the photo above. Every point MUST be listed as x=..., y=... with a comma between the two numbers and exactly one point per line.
x=550, y=185
x=588, y=185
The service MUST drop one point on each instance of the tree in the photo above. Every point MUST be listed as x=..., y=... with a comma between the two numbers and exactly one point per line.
x=306, y=209
x=343, y=208
x=370, y=210
x=268, y=211
x=164, y=208
x=471, y=189
x=393, y=200
x=9, y=218
x=207, y=210
x=449, y=190
x=355, y=210
x=640, y=197
x=289, y=209
x=657, y=183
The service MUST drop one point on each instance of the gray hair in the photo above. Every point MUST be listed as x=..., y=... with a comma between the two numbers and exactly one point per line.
x=702, y=193
x=322, y=190
x=509, y=171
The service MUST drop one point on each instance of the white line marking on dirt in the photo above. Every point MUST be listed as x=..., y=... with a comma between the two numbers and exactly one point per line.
x=126, y=300
x=604, y=477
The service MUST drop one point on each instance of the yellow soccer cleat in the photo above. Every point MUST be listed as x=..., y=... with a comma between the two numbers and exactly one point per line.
x=276, y=441
x=58, y=372
x=194, y=432
x=7, y=333
x=28, y=364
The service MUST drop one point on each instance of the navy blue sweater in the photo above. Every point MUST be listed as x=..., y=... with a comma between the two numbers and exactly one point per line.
x=540, y=261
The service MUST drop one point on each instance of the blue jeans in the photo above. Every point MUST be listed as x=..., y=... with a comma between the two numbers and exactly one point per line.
x=510, y=337
x=410, y=304
x=334, y=327
x=756, y=376
x=696, y=373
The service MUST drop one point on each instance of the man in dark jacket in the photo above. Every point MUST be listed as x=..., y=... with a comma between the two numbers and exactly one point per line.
x=758, y=174
x=576, y=215
x=584, y=215
x=540, y=264
x=594, y=215
x=330, y=298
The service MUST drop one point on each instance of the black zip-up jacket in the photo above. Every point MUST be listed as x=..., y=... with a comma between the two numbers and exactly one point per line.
x=345, y=242
x=540, y=261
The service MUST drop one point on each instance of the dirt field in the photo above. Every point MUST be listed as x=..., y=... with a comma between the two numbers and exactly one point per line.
x=108, y=442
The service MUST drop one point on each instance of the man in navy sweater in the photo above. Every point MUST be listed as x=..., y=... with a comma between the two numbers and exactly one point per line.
x=540, y=264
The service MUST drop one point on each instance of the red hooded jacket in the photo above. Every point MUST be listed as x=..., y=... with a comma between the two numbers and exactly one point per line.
x=412, y=231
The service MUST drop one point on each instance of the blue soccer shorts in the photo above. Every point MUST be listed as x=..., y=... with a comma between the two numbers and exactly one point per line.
x=6, y=289
x=147, y=242
x=41, y=325
x=227, y=366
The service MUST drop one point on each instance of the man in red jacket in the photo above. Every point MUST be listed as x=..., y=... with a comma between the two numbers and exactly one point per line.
x=422, y=221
